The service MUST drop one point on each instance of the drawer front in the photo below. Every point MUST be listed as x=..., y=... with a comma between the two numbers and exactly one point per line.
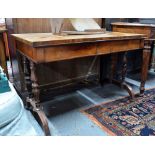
x=118, y=46
x=65, y=52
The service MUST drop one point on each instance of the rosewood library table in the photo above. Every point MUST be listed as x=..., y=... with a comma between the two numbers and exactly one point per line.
x=39, y=48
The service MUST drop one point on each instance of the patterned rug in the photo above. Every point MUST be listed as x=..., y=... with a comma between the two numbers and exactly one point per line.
x=123, y=117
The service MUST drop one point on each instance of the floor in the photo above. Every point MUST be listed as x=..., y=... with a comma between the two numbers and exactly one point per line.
x=65, y=118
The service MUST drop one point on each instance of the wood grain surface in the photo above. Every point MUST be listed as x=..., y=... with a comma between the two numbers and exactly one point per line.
x=133, y=24
x=48, y=39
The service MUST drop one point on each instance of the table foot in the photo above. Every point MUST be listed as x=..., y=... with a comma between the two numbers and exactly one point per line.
x=125, y=86
x=39, y=116
x=122, y=83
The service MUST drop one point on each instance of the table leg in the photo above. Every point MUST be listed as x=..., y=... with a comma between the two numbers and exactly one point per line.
x=26, y=68
x=34, y=100
x=124, y=71
x=121, y=83
x=103, y=68
x=145, y=64
x=114, y=58
x=124, y=68
x=35, y=85
x=152, y=59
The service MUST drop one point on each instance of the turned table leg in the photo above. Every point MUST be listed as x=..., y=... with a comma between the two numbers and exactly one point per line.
x=152, y=59
x=124, y=68
x=114, y=58
x=34, y=100
x=28, y=84
x=121, y=83
x=27, y=79
x=145, y=64
x=123, y=75
x=103, y=68
x=35, y=85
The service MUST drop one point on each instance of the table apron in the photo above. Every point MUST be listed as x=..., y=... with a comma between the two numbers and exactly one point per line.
x=71, y=51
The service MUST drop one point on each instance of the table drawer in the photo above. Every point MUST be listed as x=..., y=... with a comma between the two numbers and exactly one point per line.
x=118, y=46
x=64, y=52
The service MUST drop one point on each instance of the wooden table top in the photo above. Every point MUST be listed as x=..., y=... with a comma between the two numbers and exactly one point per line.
x=133, y=24
x=2, y=29
x=48, y=39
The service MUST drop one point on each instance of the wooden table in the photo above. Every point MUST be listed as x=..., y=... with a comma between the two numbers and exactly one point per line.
x=4, y=50
x=39, y=48
x=147, y=29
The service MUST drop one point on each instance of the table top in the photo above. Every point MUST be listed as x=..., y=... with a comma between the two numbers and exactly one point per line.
x=2, y=29
x=49, y=39
x=132, y=24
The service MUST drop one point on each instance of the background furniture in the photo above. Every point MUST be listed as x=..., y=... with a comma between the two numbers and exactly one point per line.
x=4, y=50
x=147, y=29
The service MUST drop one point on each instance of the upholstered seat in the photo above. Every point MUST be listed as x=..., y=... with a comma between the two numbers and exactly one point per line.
x=10, y=106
